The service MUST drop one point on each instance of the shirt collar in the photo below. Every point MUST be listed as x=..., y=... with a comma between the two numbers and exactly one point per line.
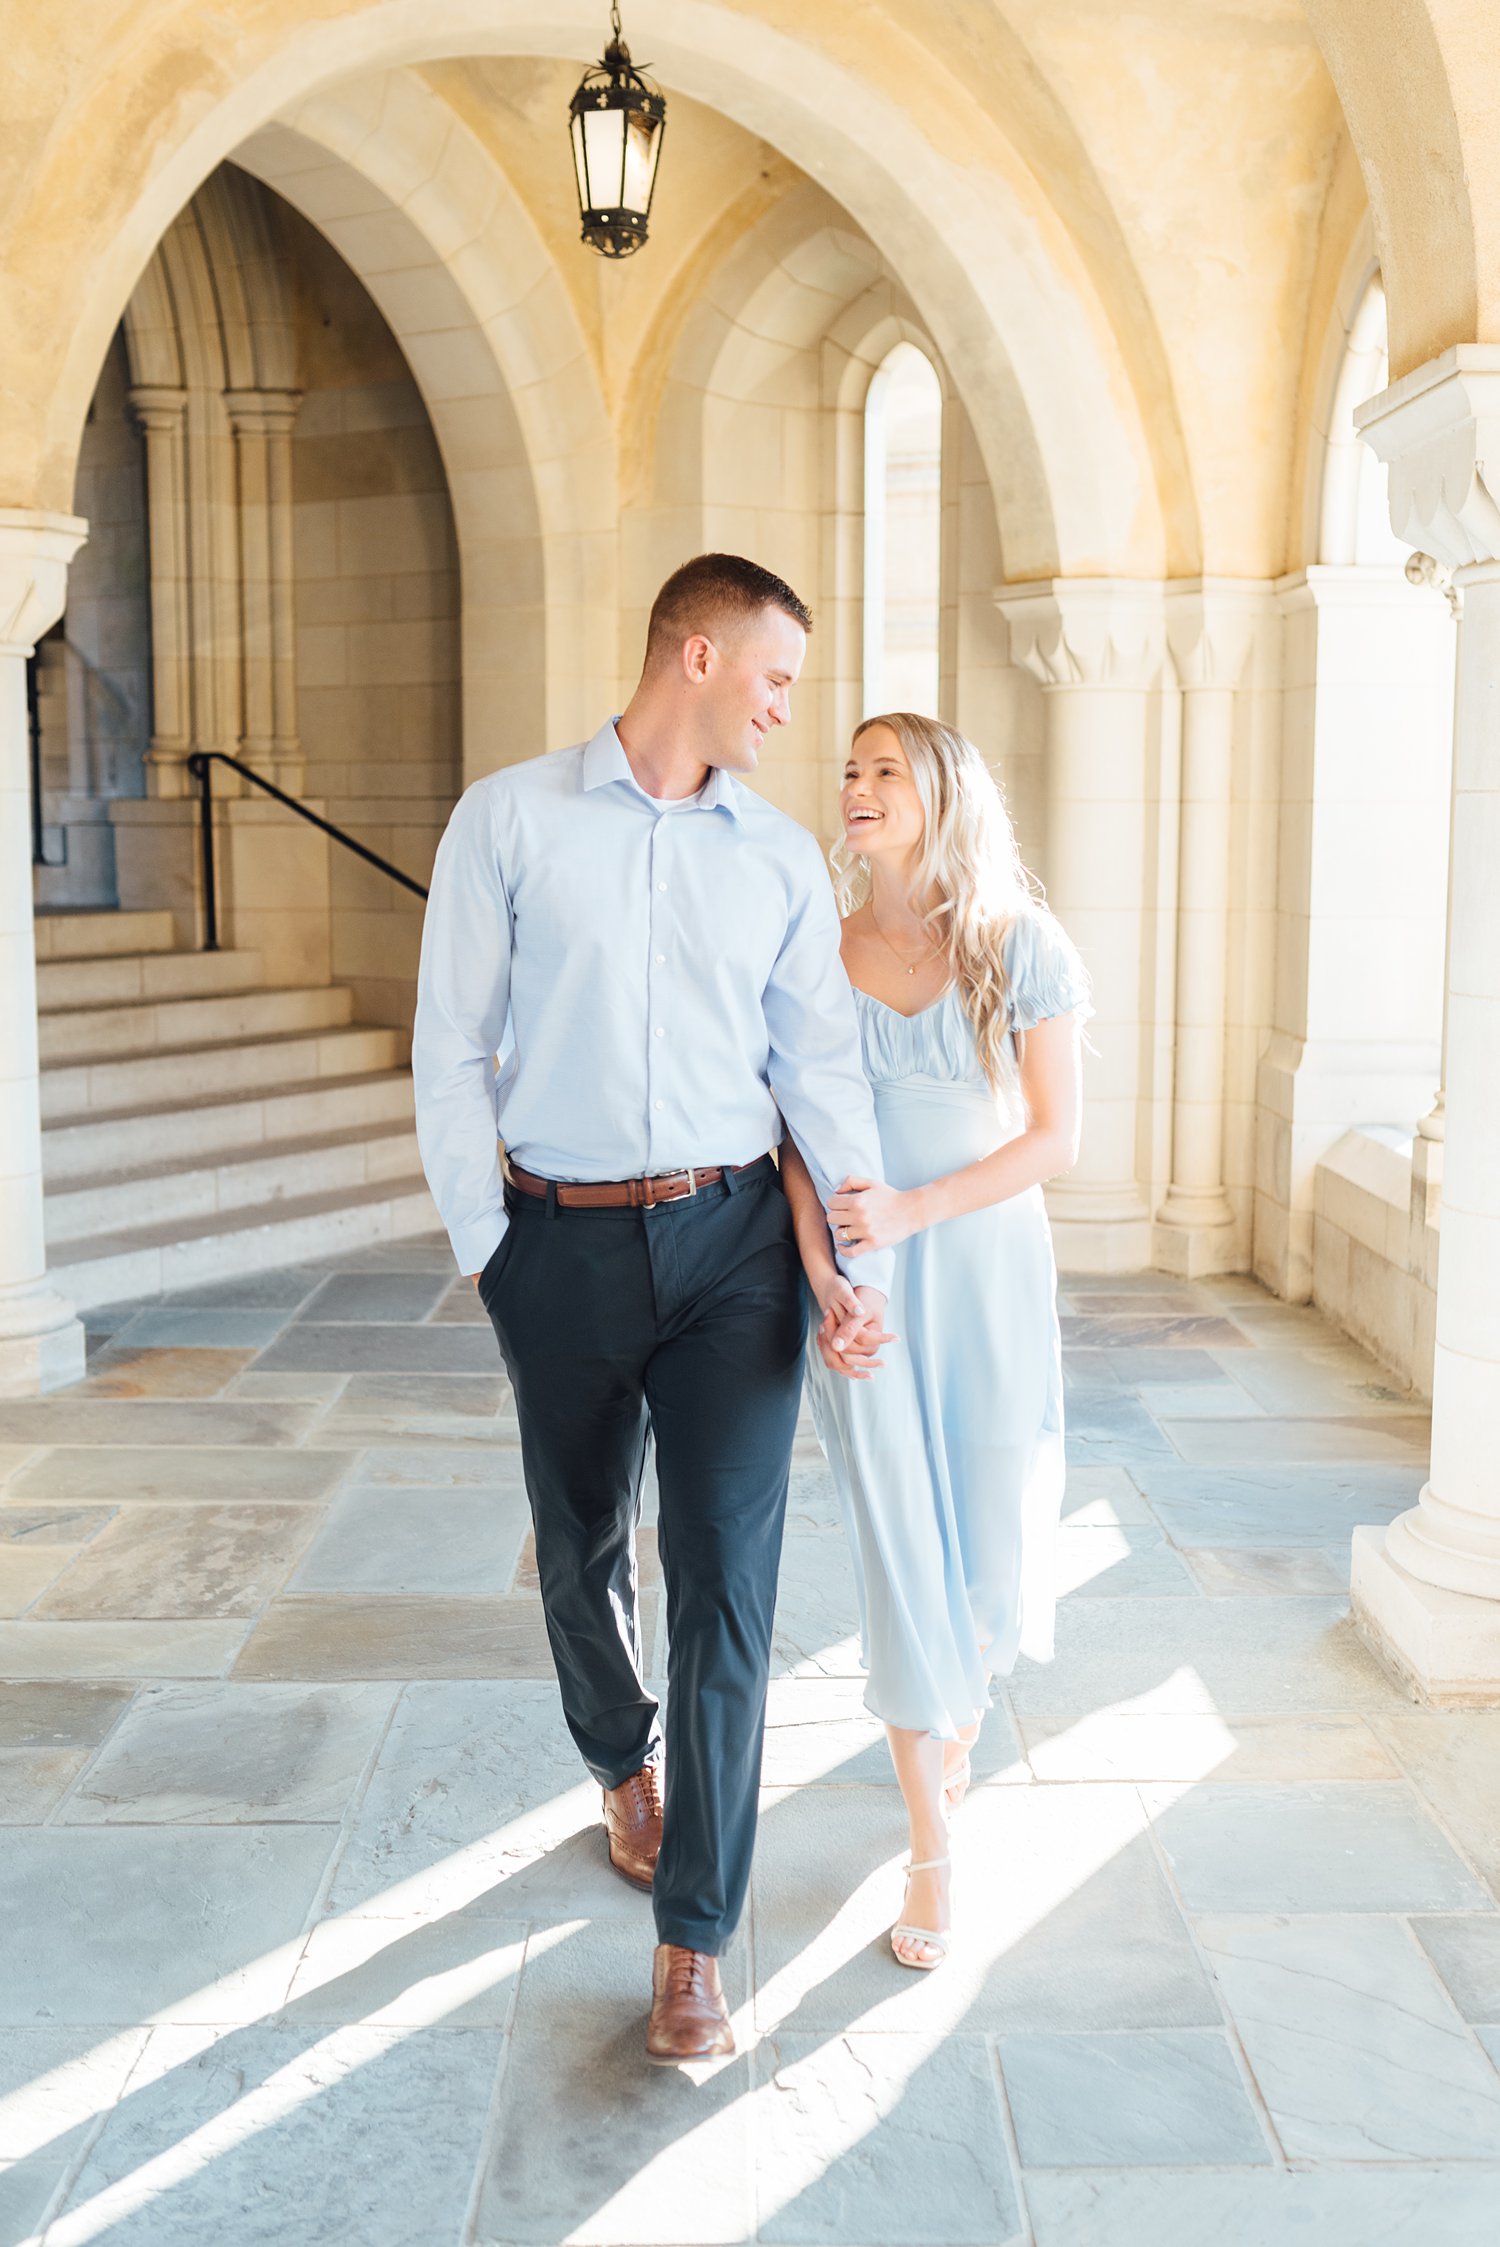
x=604, y=760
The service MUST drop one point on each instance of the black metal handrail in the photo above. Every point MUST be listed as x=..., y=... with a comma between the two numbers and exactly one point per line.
x=200, y=765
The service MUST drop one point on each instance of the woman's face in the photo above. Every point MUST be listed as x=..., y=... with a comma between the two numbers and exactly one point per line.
x=881, y=810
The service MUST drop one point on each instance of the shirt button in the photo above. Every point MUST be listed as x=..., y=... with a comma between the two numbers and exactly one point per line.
x=661, y=885
x=661, y=959
x=661, y=1033
x=658, y=1103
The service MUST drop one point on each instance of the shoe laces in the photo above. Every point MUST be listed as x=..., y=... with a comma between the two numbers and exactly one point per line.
x=643, y=1785
x=687, y=1972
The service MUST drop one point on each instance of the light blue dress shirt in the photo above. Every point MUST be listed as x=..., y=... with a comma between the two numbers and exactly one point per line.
x=646, y=973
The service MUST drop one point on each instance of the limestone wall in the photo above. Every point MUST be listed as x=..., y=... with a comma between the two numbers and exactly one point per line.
x=376, y=603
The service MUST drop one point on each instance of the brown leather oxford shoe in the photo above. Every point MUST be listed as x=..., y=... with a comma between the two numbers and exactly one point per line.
x=689, y=2018
x=632, y=1821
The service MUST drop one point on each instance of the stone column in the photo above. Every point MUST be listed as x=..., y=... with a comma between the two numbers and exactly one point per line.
x=1211, y=629
x=162, y=414
x=1097, y=646
x=1365, y=759
x=41, y=1340
x=262, y=424
x=1426, y=1592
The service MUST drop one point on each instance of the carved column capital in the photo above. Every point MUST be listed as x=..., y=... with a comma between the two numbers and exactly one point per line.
x=1086, y=631
x=262, y=413
x=1213, y=625
x=35, y=550
x=1438, y=431
x=157, y=406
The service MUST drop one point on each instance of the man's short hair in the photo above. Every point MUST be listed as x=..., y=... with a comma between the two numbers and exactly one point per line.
x=710, y=592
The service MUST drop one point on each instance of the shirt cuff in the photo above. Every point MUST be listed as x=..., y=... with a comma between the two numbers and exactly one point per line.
x=877, y=1271
x=475, y=1243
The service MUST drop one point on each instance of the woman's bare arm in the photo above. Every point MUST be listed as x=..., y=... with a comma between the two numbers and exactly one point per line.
x=1052, y=1087
x=814, y=1241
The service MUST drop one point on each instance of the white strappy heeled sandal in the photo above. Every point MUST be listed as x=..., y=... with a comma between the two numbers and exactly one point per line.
x=933, y=1935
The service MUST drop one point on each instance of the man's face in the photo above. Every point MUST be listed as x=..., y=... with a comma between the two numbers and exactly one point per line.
x=746, y=679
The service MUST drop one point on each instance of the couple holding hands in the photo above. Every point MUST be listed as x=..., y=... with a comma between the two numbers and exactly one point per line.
x=656, y=958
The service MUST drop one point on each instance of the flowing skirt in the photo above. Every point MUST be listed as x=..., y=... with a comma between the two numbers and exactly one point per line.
x=949, y=1461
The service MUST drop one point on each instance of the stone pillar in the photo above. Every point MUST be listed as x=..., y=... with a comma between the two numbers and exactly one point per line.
x=1097, y=646
x=41, y=1340
x=1427, y=1147
x=162, y=414
x=262, y=424
x=1365, y=763
x=1211, y=630
x=1426, y=1592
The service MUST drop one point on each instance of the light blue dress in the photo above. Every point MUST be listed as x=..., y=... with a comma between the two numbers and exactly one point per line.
x=949, y=1462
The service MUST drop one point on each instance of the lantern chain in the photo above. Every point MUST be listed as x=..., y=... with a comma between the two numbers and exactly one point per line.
x=614, y=21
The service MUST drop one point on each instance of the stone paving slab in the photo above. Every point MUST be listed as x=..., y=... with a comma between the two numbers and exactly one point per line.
x=1067, y=1917
x=379, y=1298
x=54, y=2084
x=1260, y=1656
x=444, y=1543
x=157, y=1371
x=408, y=1973
x=475, y=1783
x=234, y=1755
x=1262, y=1505
x=119, y=1650
x=399, y=1636
x=592, y=2147
x=1466, y=1954
x=1453, y=1759
x=48, y=1732
x=114, y=1925
x=1203, y=1746
x=26, y=1573
x=148, y=1475
x=1311, y=1848
x=1337, y=2207
x=1131, y=2099
x=1358, y=2050
x=174, y=1563
x=312, y=2139
x=890, y=2137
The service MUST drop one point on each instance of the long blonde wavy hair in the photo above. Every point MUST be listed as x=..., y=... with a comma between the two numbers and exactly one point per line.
x=969, y=857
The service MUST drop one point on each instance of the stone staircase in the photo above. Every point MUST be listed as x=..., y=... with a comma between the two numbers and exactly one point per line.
x=197, y=1123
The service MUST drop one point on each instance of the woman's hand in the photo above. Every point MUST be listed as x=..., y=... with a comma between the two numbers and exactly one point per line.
x=866, y=1216
x=852, y=1330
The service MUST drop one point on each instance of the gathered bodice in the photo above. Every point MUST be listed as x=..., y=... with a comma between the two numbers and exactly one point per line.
x=1044, y=977
x=933, y=1047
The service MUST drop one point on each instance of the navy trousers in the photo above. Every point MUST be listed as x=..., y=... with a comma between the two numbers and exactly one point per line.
x=687, y=1320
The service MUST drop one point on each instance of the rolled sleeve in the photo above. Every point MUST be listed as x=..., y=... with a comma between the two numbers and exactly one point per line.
x=816, y=1067
x=463, y=1001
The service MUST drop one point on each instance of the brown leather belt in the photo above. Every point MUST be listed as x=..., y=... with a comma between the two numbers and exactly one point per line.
x=626, y=1193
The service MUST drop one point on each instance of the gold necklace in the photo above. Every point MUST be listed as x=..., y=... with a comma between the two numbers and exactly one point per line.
x=911, y=967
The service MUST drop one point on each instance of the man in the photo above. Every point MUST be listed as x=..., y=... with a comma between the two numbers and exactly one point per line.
x=649, y=948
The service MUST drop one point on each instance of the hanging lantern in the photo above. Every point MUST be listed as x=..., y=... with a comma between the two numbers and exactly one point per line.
x=618, y=119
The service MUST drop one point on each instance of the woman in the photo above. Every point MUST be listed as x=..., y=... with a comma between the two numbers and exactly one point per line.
x=950, y=1464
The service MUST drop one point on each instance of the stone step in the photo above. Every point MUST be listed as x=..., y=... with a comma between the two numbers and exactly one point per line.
x=259, y=1179
x=193, y=1131
x=152, y=1259
x=176, y=1025
x=119, y=979
x=93, y=1088
x=78, y=936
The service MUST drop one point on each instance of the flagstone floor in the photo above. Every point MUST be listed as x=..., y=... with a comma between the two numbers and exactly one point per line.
x=306, y=1935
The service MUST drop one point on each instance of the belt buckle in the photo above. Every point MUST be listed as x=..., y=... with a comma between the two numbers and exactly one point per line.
x=687, y=1171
